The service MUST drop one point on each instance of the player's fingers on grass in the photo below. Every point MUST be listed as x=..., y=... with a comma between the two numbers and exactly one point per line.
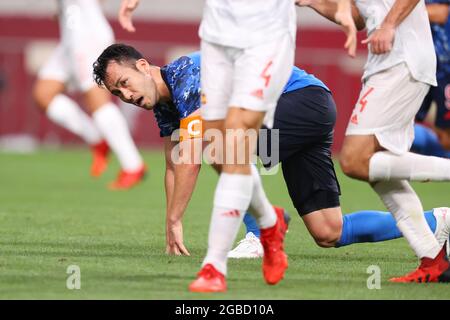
x=183, y=250
x=172, y=250
x=175, y=250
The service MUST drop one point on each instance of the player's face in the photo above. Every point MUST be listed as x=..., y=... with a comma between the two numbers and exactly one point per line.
x=132, y=85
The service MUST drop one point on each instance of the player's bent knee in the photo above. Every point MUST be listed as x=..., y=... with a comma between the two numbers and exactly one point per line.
x=327, y=239
x=325, y=226
x=40, y=97
x=353, y=166
x=328, y=235
x=349, y=165
x=44, y=91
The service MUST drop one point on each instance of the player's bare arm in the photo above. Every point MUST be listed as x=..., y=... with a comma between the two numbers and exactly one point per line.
x=125, y=14
x=382, y=39
x=344, y=17
x=344, y=13
x=438, y=13
x=327, y=9
x=180, y=180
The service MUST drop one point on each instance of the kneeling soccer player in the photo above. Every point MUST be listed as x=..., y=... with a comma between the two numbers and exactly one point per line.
x=305, y=117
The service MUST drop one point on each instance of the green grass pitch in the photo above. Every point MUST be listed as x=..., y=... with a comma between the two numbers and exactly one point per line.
x=52, y=215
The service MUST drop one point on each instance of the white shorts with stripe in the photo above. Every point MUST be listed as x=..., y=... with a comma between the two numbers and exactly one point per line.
x=72, y=64
x=251, y=78
x=386, y=107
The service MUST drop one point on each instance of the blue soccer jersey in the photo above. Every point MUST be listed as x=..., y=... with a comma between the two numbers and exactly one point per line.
x=301, y=79
x=441, y=39
x=182, y=77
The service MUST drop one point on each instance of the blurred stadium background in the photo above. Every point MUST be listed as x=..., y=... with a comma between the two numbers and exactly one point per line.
x=165, y=29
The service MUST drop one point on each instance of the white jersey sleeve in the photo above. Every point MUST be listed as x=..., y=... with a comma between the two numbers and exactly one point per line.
x=247, y=23
x=413, y=43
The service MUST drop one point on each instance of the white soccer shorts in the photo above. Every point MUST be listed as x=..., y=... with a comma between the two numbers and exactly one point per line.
x=250, y=78
x=73, y=66
x=386, y=108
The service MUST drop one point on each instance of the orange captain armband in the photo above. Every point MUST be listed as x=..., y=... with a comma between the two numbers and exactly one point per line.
x=191, y=127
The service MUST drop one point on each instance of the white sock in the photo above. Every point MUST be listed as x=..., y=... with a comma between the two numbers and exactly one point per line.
x=112, y=125
x=385, y=165
x=260, y=207
x=68, y=114
x=231, y=200
x=400, y=199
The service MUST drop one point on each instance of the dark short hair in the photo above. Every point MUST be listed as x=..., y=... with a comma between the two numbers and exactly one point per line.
x=118, y=52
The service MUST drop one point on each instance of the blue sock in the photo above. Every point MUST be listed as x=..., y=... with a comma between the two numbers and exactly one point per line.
x=427, y=143
x=373, y=226
x=251, y=225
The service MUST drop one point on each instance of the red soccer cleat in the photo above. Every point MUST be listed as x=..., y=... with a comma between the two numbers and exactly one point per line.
x=209, y=280
x=430, y=270
x=100, y=152
x=275, y=259
x=127, y=180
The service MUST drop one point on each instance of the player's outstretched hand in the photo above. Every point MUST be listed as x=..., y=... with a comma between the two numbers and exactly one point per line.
x=125, y=13
x=174, y=239
x=345, y=19
x=381, y=40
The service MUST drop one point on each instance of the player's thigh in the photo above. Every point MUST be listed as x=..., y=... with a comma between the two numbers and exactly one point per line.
x=357, y=150
x=241, y=136
x=213, y=143
x=325, y=225
x=311, y=179
x=304, y=118
x=261, y=73
x=216, y=81
x=52, y=77
x=45, y=90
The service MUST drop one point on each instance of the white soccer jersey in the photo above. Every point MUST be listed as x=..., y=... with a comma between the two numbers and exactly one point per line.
x=246, y=23
x=413, y=43
x=82, y=20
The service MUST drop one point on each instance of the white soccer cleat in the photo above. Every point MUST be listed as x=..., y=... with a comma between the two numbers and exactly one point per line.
x=248, y=248
x=442, y=231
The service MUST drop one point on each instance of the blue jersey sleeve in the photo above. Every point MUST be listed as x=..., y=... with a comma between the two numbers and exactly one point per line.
x=182, y=78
